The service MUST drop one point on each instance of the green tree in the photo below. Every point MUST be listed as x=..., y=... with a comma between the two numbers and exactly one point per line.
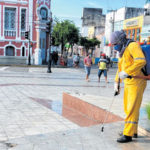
x=85, y=43
x=59, y=34
x=65, y=32
x=73, y=36
x=94, y=42
x=89, y=43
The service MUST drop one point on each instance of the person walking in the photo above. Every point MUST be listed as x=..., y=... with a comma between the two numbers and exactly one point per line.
x=87, y=64
x=76, y=60
x=102, y=64
x=131, y=61
x=65, y=57
x=108, y=62
x=55, y=55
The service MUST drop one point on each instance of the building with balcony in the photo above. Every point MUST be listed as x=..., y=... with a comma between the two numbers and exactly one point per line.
x=18, y=17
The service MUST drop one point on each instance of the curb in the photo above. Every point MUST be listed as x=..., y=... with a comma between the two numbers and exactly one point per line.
x=143, y=131
x=34, y=66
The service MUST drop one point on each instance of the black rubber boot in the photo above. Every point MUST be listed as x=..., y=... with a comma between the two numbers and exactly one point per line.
x=124, y=139
x=134, y=136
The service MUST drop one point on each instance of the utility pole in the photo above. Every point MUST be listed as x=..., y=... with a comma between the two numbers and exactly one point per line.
x=113, y=26
x=49, y=30
x=113, y=20
x=29, y=63
x=27, y=36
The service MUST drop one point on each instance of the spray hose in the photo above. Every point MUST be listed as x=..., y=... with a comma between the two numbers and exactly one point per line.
x=140, y=77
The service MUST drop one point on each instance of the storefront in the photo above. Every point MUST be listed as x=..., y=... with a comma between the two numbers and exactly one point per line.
x=118, y=25
x=133, y=28
x=145, y=34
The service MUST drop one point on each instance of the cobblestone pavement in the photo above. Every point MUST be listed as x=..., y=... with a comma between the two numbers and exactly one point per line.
x=27, y=125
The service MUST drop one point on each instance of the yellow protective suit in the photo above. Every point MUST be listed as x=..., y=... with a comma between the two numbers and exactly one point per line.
x=132, y=62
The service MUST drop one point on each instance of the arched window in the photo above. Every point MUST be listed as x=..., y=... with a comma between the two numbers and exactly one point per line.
x=10, y=51
x=23, y=51
x=43, y=13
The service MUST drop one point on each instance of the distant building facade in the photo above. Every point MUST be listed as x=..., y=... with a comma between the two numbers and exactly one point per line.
x=115, y=20
x=92, y=19
x=17, y=17
x=138, y=28
x=93, y=25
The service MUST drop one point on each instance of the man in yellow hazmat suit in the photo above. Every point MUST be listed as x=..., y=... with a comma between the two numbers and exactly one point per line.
x=130, y=63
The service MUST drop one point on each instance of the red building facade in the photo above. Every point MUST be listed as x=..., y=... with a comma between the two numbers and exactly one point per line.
x=18, y=17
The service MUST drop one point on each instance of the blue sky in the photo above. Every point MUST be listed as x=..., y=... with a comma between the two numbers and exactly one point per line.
x=72, y=9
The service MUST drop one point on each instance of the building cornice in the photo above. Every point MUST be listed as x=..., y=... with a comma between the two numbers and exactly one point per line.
x=11, y=40
x=14, y=2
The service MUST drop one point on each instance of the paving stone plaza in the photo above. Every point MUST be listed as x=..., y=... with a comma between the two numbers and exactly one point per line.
x=32, y=117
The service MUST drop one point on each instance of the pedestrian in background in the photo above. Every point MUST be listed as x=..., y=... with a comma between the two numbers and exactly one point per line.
x=131, y=61
x=87, y=64
x=102, y=64
x=65, y=57
x=108, y=62
x=76, y=60
x=55, y=55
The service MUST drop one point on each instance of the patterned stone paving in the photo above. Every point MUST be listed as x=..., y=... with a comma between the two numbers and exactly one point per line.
x=28, y=125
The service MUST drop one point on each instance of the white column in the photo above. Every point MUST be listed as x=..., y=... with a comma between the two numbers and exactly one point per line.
x=31, y=17
x=31, y=23
x=38, y=57
x=17, y=22
x=0, y=21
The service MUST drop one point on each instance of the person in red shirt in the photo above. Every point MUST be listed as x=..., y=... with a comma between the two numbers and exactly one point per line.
x=87, y=64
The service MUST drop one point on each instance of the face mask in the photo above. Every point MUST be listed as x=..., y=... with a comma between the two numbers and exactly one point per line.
x=118, y=48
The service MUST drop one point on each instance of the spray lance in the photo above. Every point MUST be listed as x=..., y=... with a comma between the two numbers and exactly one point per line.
x=107, y=113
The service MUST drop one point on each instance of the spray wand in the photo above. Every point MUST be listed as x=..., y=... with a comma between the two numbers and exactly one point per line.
x=107, y=113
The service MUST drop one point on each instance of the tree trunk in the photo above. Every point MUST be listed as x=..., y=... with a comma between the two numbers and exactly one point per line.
x=87, y=51
x=62, y=47
x=71, y=49
x=92, y=52
x=68, y=49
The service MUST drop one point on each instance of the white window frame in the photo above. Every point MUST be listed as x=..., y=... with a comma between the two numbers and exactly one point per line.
x=16, y=22
x=11, y=18
x=20, y=31
x=13, y=52
x=12, y=46
x=44, y=8
x=0, y=23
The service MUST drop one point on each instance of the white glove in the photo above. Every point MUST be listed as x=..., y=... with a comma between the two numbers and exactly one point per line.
x=116, y=89
x=123, y=75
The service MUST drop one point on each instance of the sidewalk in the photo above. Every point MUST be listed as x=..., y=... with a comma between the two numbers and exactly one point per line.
x=31, y=113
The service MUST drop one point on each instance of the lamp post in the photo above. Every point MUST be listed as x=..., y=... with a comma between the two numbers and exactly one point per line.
x=29, y=63
x=27, y=36
x=112, y=21
x=48, y=29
